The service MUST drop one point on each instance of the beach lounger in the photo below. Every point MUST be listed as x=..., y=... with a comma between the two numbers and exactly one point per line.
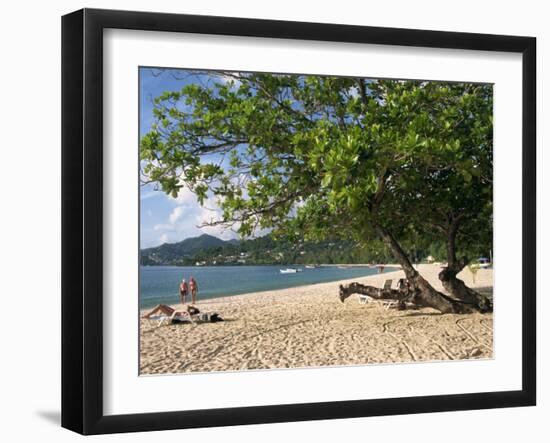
x=364, y=299
x=401, y=284
x=387, y=304
x=184, y=317
x=179, y=316
x=160, y=319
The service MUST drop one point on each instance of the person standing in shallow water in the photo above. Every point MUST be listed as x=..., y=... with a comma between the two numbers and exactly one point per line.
x=194, y=289
x=183, y=291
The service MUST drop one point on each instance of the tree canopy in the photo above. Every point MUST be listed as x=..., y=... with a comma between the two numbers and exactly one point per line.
x=316, y=156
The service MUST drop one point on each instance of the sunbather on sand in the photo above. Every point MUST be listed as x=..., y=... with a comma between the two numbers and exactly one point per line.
x=171, y=312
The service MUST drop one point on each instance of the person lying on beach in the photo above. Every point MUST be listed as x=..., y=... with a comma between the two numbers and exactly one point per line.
x=171, y=312
x=176, y=314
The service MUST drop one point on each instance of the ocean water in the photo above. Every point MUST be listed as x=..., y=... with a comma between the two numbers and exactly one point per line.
x=159, y=284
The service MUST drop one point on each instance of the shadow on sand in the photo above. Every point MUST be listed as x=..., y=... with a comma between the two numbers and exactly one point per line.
x=422, y=314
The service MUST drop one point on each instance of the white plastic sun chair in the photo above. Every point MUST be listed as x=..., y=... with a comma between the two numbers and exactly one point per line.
x=364, y=299
x=389, y=303
x=160, y=319
x=179, y=315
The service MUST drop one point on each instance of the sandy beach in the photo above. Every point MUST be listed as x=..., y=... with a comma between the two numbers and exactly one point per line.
x=309, y=326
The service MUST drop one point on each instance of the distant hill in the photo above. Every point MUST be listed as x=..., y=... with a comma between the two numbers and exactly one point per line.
x=212, y=251
x=170, y=253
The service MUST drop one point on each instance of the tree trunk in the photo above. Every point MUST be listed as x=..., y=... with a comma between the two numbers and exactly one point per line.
x=448, y=276
x=373, y=292
x=458, y=289
x=418, y=292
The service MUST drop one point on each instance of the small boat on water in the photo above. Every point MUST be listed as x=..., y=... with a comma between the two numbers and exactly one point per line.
x=289, y=271
x=312, y=266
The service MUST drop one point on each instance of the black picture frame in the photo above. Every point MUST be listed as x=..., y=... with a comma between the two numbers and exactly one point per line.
x=82, y=218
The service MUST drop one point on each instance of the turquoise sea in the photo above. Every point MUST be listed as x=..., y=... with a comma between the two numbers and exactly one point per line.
x=159, y=284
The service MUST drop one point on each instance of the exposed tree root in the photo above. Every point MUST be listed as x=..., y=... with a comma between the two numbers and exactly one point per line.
x=417, y=295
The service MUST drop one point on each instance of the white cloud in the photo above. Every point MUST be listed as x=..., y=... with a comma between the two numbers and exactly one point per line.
x=163, y=227
x=229, y=80
x=206, y=215
x=187, y=218
x=221, y=232
x=176, y=214
x=185, y=197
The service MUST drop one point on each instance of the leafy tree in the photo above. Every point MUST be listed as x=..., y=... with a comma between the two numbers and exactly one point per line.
x=315, y=157
x=451, y=195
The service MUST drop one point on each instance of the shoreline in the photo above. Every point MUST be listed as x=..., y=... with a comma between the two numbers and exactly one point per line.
x=308, y=326
x=284, y=291
x=238, y=265
x=304, y=285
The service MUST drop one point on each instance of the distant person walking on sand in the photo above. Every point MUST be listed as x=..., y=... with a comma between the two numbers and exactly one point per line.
x=183, y=291
x=194, y=289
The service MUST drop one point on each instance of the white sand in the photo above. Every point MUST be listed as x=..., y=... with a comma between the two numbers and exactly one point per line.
x=309, y=326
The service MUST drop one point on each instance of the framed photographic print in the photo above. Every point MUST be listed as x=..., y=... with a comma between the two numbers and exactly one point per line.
x=269, y=221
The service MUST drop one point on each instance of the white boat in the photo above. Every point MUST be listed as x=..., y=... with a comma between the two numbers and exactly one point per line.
x=288, y=271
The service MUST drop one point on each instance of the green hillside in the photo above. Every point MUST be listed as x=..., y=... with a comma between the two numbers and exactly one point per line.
x=209, y=250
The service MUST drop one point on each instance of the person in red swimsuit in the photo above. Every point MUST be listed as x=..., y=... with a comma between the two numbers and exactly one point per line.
x=183, y=291
x=194, y=289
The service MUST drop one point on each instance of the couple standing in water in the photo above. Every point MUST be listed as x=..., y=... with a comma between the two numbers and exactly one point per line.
x=184, y=315
x=186, y=288
x=188, y=310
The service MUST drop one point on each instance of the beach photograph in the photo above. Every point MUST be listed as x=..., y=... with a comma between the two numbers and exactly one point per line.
x=292, y=221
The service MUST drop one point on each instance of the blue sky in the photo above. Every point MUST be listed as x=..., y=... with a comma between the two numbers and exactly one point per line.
x=165, y=219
